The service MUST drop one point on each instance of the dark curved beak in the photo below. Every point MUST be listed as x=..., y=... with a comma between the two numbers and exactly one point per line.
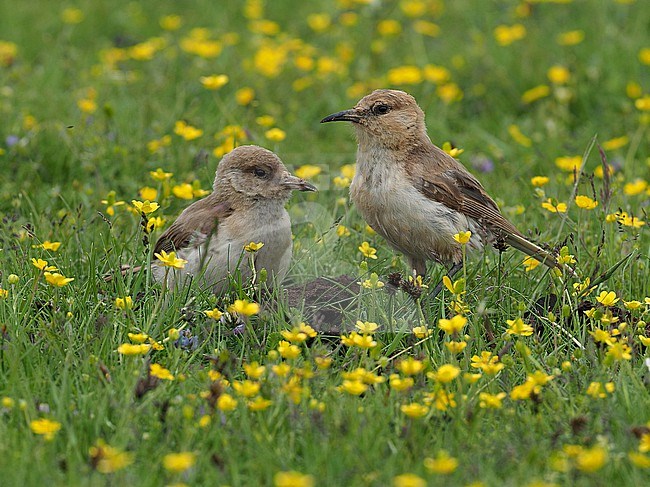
x=294, y=182
x=344, y=116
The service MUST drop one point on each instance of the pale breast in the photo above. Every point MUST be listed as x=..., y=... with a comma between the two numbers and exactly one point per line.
x=409, y=221
x=223, y=255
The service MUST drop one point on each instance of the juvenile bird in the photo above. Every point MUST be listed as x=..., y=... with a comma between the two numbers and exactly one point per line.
x=417, y=196
x=251, y=187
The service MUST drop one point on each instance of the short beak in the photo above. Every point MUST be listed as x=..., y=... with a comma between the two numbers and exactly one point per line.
x=293, y=182
x=344, y=116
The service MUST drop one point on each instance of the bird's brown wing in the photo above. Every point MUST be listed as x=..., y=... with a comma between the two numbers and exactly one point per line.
x=195, y=223
x=457, y=189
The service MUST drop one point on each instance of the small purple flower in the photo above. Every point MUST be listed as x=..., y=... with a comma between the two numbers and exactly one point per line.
x=12, y=140
x=483, y=164
x=186, y=341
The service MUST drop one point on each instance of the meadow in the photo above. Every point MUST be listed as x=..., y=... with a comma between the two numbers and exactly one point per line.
x=514, y=375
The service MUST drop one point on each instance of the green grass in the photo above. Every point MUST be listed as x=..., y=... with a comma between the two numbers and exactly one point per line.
x=58, y=346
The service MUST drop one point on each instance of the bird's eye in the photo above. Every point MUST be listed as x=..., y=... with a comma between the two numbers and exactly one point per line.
x=259, y=172
x=380, y=109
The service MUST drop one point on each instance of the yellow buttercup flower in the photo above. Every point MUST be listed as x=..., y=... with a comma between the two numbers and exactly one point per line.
x=170, y=260
x=244, y=307
x=179, y=462
x=214, y=82
x=585, y=202
x=45, y=427
x=56, y=279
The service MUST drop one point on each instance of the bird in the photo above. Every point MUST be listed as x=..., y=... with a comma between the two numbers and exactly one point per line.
x=247, y=205
x=417, y=196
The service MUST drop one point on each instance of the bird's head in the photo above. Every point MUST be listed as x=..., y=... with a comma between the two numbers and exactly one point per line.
x=386, y=117
x=250, y=173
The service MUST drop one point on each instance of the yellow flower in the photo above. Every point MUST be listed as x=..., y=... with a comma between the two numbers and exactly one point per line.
x=145, y=207
x=534, y=94
x=225, y=402
x=409, y=480
x=410, y=366
x=462, y=237
x=214, y=313
x=585, y=202
x=247, y=388
x=426, y=28
x=639, y=459
x=130, y=349
x=47, y=245
x=319, y=22
x=507, y=34
x=422, y=332
x=558, y=75
x=3, y=293
x=293, y=479
x=308, y=171
x=643, y=103
x=56, y=279
x=607, y=298
x=138, y=337
x=570, y=38
x=366, y=327
x=373, y=282
x=108, y=459
x=530, y=263
x=356, y=340
x=259, y=404
x=275, y=135
x=405, y=75
x=179, y=462
x=635, y=187
x=452, y=151
x=443, y=463
x=124, y=303
x=171, y=22
x=456, y=347
x=444, y=374
x=368, y=251
x=160, y=175
x=159, y=371
x=491, y=401
x=288, y=350
x=400, y=384
x=245, y=96
x=452, y=326
x=554, y=208
x=244, y=307
x=591, y=460
x=487, y=362
x=519, y=137
x=389, y=27
x=170, y=260
x=518, y=327
x=42, y=265
x=616, y=143
x=644, y=55
x=569, y=163
x=188, y=132
x=353, y=387
x=214, y=82
x=414, y=410
x=45, y=427
x=254, y=370
x=449, y=92
x=253, y=247
x=183, y=191
x=619, y=351
x=539, y=181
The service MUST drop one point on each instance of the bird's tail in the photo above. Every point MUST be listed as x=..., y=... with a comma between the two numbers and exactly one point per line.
x=536, y=252
x=124, y=270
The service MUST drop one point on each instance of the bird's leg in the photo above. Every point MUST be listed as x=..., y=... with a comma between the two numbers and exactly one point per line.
x=451, y=273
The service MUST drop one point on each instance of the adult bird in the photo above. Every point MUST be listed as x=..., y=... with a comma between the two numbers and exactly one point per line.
x=417, y=196
x=251, y=188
